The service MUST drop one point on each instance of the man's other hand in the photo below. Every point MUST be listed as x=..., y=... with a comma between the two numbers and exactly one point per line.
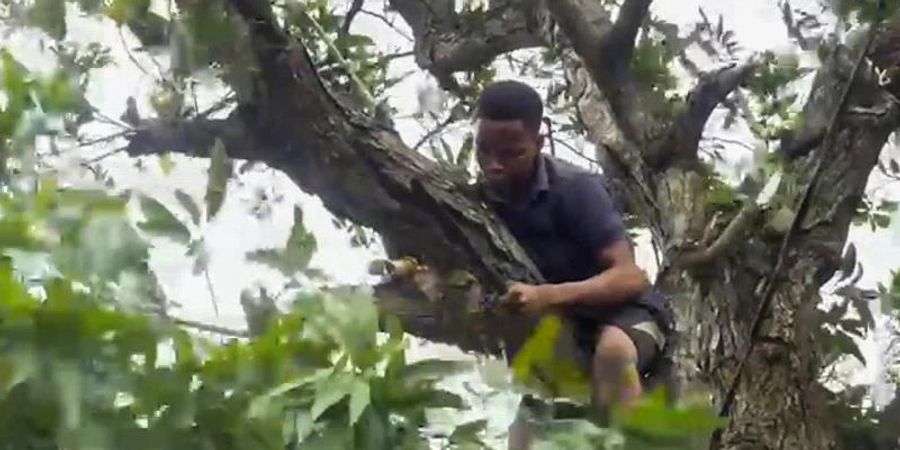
x=530, y=298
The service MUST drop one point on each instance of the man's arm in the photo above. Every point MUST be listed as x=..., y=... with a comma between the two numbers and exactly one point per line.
x=622, y=281
x=591, y=219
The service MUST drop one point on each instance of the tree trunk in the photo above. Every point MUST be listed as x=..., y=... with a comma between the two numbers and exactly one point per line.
x=714, y=260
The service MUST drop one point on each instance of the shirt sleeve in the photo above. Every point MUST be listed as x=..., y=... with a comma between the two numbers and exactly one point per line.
x=590, y=215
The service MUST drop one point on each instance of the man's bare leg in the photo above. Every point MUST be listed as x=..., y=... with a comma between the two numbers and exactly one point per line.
x=520, y=433
x=614, y=375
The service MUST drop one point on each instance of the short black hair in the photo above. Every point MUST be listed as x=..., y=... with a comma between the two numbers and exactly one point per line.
x=511, y=100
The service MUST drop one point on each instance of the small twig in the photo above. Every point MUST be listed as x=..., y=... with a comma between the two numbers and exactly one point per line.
x=105, y=155
x=441, y=127
x=162, y=313
x=387, y=22
x=103, y=139
x=212, y=293
x=109, y=120
x=194, y=96
x=351, y=14
x=360, y=87
x=729, y=141
x=210, y=328
x=577, y=152
x=132, y=57
x=218, y=106
x=398, y=55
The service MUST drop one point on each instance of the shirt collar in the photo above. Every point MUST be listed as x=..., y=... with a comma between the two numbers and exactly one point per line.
x=540, y=184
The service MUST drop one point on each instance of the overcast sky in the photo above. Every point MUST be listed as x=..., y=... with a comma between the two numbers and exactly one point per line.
x=757, y=25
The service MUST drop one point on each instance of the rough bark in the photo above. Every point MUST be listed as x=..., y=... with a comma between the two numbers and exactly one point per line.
x=713, y=259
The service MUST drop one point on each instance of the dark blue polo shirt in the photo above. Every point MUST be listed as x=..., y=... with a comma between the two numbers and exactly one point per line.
x=564, y=223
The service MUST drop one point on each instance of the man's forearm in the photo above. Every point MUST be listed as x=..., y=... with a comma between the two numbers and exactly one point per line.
x=612, y=286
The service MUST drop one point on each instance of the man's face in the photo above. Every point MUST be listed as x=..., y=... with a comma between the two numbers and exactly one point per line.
x=506, y=153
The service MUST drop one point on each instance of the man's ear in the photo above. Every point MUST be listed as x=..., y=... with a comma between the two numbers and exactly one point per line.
x=539, y=141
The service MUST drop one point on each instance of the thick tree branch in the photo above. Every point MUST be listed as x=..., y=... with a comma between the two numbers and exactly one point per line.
x=194, y=138
x=362, y=172
x=683, y=137
x=606, y=53
x=447, y=42
x=584, y=35
x=621, y=36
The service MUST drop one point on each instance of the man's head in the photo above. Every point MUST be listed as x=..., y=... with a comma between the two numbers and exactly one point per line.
x=508, y=139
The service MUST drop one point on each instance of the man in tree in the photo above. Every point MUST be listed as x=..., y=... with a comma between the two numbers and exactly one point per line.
x=564, y=218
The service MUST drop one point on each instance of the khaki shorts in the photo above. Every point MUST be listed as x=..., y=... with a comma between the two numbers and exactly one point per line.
x=635, y=320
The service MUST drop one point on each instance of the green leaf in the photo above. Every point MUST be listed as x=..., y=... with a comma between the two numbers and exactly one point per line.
x=124, y=11
x=50, y=16
x=782, y=220
x=187, y=202
x=848, y=262
x=468, y=432
x=160, y=221
x=444, y=399
x=881, y=220
x=68, y=384
x=60, y=94
x=106, y=246
x=197, y=250
x=356, y=40
x=329, y=438
x=537, y=364
x=298, y=251
x=165, y=163
x=360, y=398
x=167, y=101
x=495, y=374
x=259, y=406
x=538, y=348
x=890, y=296
x=464, y=157
x=17, y=232
x=90, y=6
x=844, y=344
x=432, y=370
x=19, y=367
x=219, y=171
x=330, y=391
x=578, y=434
x=448, y=153
x=651, y=417
x=180, y=48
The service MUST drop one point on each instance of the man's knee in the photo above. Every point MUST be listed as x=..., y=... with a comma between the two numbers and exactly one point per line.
x=614, y=343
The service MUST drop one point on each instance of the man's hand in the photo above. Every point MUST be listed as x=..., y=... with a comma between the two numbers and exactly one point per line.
x=530, y=298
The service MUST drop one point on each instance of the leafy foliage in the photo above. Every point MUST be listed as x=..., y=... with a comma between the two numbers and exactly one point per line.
x=82, y=375
x=776, y=110
x=866, y=10
x=876, y=216
x=651, y=67
x=297, y=253
x=84, y=366
x=87, y=369
x=220, y=169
